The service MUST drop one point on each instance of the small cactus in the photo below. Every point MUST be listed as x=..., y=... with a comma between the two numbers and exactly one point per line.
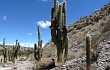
x=38, y=51
x=9, y=54
x=28, y=52
x=16, y=49
x=4, y=51
x=13, y=54
x=88, y=51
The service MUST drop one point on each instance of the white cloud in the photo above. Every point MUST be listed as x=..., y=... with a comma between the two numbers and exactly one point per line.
x=5, y=18
x=43, y=45
x=24, y=44
x=44, y=24
x=11, y=44
x=27, y=44
x=29, y=33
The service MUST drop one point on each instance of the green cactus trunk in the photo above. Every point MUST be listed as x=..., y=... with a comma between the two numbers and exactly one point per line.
x=38, y=51
x=5, y=55
x=13, y=57
x=59, y=30
x=4, y=51
x=16, y=49
x=88, y=51
x=9, y=55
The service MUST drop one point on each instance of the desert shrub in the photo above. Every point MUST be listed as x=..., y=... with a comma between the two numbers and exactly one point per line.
x=105, y=25
x=79, y=26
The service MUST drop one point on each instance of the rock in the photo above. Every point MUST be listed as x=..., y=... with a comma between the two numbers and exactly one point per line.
x=107, y=68
x=101, y=63
x=108, y=42
x=29, y=68
x=23, y=59
x=5, y=65
x=14, y=67
x=34, y=68
x=63, y=67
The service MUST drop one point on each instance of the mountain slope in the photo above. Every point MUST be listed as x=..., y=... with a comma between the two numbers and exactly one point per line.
x=97, y=25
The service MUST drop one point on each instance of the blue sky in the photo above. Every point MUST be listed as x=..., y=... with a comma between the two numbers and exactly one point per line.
x=19, y=18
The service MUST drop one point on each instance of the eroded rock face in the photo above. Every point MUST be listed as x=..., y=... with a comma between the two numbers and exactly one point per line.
x=102, y=63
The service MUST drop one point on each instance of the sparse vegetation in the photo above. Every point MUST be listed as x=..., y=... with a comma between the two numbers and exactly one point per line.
x=86, y=42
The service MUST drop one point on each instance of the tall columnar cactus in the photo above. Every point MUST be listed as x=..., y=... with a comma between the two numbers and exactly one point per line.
x=9, y=54
x=4, y=51
x=59, y=30
x=38, y=51
x=16, y=49
x=13, y=57
x=28, y=52
x=88, y=51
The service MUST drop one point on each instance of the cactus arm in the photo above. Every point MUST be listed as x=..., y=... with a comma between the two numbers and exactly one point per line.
x=60, y=16
x=53, y=33
x=63, y=22
x=35, y=52
x=66, y=51
x=53, y=25
x=65, y=39
x=55, y=8
x=39, y=34
x=4, y=43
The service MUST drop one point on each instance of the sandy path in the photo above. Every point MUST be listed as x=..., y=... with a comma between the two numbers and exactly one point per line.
x=24, y=65
x=19, y=65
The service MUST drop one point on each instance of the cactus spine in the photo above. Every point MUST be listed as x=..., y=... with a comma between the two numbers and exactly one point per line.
x=38, y=51
x=88, y=51
x=59, y=30
x=4, y=51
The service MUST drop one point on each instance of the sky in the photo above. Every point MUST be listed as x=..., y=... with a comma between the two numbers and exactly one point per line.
x=19, y=18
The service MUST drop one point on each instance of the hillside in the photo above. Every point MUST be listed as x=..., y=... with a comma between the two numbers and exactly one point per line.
x=97, y=25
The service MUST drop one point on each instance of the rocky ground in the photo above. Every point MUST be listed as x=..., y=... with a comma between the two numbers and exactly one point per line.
x=21, y=64
x=101, y=63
